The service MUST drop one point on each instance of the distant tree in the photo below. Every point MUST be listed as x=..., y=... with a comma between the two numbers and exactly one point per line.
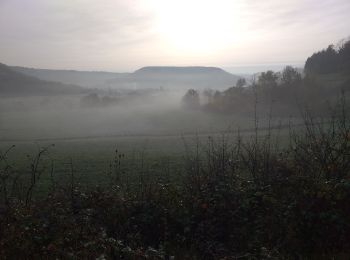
x=266, y=86
x=344, y=53
x=217, y=95
x=290, y=76
x=233, y=92
x=268, y=79
x=209, y=94
x=191, y=99
x=90, y=100
x=241, y=82
x=108, y=100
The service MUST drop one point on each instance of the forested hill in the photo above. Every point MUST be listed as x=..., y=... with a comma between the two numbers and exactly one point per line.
x=326, y=76
x=17, y=84
x=330, y=60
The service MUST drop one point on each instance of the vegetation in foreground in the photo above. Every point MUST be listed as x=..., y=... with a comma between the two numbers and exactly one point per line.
x=246, y=199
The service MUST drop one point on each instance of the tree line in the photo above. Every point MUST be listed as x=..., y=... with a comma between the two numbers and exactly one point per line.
x=285, y=92
x=330, y=60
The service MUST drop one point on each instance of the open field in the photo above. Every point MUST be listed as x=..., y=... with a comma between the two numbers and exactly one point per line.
x=155, y=134
x=92, y=159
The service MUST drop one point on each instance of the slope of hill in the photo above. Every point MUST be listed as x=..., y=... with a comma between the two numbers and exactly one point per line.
x=147, y=77
x=330, y=67
x=15, y=83
x=176, y=77
x=173, y=70
x=330, y=60
x=90, y=79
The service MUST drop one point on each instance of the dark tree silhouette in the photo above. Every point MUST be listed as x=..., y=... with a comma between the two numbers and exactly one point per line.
x=268, y=79
x=290, y=76
x=191, y=99
x=209, y=94
x=329, y=60
x=241, y=82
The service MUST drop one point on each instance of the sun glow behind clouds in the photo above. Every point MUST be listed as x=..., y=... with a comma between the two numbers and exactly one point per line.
x=195, y=26
x=122, y=35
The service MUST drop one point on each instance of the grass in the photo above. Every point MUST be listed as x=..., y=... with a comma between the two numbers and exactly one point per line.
x=88, y=138
x=91, y=157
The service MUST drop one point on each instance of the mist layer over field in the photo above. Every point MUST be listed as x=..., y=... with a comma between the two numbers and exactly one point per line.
x=64, y=117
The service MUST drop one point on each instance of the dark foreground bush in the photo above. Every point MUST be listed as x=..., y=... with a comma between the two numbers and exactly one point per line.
x=293, y=218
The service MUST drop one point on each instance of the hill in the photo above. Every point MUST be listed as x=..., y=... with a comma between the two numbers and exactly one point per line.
x=90, y=79
x=180, y=70
x=16, y=83
x=146, y=77
x=330, y=60
x=176, y=77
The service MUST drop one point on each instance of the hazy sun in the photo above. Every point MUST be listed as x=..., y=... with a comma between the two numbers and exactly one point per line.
x=198, y=25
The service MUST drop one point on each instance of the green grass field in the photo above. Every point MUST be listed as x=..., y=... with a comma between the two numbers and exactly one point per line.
x=92, y=160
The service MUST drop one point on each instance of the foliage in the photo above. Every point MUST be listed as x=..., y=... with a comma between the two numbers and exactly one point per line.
x=241, y=82
x=191, y=99
x=290, y=76
x=330, y=60
x=287, y=92
x=278, y=89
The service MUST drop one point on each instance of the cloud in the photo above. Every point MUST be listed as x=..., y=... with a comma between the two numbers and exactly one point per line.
x=76, y=20
x=304, y=13
x=54, y=32
x=122, y=35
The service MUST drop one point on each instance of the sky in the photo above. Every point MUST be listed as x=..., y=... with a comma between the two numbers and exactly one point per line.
x=123, y=35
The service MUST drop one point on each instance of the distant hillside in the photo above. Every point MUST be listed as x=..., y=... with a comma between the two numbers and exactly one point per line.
x=90, y=79
x=180, y=70
x=16, y=83
x=330, y=60
x=176, y=77
x=147, y=77
x=330, y=67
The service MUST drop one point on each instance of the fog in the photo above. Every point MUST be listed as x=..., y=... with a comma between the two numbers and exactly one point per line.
x=96, y=116
x=38, y=104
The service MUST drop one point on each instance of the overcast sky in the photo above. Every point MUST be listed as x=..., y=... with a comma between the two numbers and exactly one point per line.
x=123, y=35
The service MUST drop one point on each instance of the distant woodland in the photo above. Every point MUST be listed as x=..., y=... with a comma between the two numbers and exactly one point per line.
x=324, y=78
